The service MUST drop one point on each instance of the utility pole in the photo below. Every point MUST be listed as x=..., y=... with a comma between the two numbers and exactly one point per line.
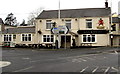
x=59, y=11
x=59, y=39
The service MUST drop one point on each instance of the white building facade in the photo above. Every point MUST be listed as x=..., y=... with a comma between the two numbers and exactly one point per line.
x=87, y=27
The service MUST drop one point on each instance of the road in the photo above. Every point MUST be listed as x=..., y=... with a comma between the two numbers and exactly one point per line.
x=83, y=60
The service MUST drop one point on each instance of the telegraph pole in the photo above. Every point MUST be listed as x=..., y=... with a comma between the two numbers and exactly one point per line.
x=59, y=11
x=59, y=24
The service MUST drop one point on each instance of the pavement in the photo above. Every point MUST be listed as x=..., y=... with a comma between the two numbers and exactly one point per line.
x=93, y=60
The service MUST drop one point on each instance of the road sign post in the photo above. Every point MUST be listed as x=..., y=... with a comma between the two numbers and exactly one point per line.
x=55, y=31
x=63, y=30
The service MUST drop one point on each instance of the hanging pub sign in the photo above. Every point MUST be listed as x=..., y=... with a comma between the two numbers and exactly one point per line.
x=100, y=24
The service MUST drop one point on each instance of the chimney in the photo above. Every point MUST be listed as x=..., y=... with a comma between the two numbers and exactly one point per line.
x=106, y=4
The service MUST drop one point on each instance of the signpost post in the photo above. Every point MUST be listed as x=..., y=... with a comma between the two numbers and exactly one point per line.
x=63, y=30
x=55, y=31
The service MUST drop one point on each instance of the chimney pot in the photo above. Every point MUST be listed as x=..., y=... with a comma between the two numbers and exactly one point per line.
x=106, y=4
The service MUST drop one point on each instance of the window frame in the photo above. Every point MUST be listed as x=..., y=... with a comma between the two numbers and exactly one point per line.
x=8, y=37
x=50, y=22
x=46, y=38
x=25, y=37
x=68, y=22
x=91, y=38
x=89, y=21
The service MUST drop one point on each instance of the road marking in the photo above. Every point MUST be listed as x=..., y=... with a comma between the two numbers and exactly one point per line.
x=107, y=69
x=95, y=69
x=26, y=58
x=23, y=69
x=82, y=59
x=83, y=70
x=104, y=57
x=76, y=60
x=116, y=52
x=89, y=55
x=4, y=63
x=89, y=58
x=115, y=69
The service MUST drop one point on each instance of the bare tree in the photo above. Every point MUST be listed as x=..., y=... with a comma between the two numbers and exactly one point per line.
x=33, y=15
x=23, y=23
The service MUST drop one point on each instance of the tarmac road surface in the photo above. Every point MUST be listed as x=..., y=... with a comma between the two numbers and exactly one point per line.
x=84, y=60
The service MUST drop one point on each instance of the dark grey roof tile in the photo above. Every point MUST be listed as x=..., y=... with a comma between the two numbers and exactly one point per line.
x=75, y=13
x=19, y=30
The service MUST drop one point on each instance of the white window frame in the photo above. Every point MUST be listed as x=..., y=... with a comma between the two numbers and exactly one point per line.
x=27, y=37
x=50, y=41
x=90, y=37
x=50, y=21
x=68, y=22
x=89, y=22
x=8, y=35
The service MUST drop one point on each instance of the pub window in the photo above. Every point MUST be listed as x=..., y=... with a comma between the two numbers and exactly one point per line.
x=84, y=38
x=26, y=37
x=14, y=36
x=48, y=38
x=48, y=24
x=88, y=38
x=7, y=37
x=88, y=23
x=68, y=23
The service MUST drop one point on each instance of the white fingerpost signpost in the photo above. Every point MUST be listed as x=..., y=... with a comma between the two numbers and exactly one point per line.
x=55, y=30
x=60, y=30
x=63, y=29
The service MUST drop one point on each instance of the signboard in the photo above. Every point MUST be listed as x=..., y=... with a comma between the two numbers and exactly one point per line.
x=60, y=30
x=63, y=29
x=93, y=31
x=55, y=30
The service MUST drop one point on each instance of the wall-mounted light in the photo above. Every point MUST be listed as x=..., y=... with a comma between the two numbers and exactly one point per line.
x=39, y=31
x=54, y=24
x=76, y=19
x=111, y=36
x=40, y=20
x=62, y=19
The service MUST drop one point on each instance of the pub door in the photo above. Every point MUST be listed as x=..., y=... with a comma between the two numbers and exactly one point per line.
x=66, y=44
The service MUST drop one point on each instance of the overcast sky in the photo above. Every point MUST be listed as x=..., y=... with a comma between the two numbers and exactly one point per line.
x=22, y=8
